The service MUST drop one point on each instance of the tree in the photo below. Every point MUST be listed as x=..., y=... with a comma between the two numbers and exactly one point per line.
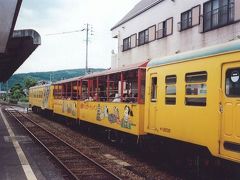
x=17, y=92
x=29, y=82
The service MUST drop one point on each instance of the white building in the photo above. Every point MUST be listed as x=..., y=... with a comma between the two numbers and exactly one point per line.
x=157, y=28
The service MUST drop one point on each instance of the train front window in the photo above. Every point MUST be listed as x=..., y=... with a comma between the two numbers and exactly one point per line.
x=233, y=82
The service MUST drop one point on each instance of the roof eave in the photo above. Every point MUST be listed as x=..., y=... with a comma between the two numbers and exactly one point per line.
x=140, y=12
x=20, y=46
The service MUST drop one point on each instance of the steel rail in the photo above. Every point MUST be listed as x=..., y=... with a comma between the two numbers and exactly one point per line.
x=64, y=142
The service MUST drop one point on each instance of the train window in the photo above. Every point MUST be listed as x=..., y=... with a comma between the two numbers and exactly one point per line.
x=196, y=77
x=84, y=90
x=74, y=90
x=233, y=82
x=170, y=100
x=195, y=101
x=114, y=88
x=171, y=79
x=55, y=91
x=154, y=89
x=196, y=89
x=68, y=90
x=170, y=89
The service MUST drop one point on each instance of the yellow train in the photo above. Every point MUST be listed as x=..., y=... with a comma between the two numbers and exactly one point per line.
x=41, y=97
x=193, y=97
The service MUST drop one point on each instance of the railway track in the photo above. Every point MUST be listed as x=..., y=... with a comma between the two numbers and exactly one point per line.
x=77, y=164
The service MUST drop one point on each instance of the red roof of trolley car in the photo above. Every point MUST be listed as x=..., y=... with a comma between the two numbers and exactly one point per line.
x=118, y=70
x=106, y=72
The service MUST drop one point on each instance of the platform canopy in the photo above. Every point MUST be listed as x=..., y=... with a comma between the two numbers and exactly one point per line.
x=15, y=46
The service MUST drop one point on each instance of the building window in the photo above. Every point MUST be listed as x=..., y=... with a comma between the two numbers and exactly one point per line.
x=217, y=13
x=143, y=37
x=147, y=35
x=190, y=18
x=233, y=82
x=129, y=42
x=152, y=33
x=133, y=40
x=161, y=32
x=171, y=92
x=154, y=89
x=186, y=20
x=165, y=28
x=126, y=44
x=196, y=88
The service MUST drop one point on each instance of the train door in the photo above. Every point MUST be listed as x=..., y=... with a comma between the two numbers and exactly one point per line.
x=230, y=131
x=152, y=114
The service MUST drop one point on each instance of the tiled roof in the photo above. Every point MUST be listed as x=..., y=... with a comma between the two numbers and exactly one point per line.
x=141, y=7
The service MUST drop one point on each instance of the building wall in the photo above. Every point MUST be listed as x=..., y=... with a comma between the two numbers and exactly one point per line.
x=178, y=42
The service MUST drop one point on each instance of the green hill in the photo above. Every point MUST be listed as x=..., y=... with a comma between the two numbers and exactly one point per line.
x=46, y=76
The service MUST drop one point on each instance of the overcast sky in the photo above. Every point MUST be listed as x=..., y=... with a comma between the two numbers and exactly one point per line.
x=68, y=51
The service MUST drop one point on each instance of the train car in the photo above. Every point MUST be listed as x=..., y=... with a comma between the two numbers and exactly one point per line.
x=115, y=99
x=191, y=97
x=65, y=97
x=41, y=97
x=112, y=99
x=195, y=97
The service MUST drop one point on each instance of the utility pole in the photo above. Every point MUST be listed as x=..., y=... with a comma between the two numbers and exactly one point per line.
x=87, y=29
x=51, y=77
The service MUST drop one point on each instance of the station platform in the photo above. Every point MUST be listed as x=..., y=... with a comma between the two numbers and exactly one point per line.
x=20, y=157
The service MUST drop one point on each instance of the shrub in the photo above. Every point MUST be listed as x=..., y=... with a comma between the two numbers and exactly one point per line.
x=23, y=99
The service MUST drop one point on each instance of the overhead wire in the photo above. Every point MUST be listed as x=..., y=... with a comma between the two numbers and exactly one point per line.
x=66, y=32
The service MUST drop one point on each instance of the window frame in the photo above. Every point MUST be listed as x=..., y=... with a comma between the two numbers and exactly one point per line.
x=145, y=38
x=155, y=92
x=188, y=26
x=196, y=82
x=229, y=22
x=192, y=20
x=165, y=29
x=128, y=39
x=155, y=28
x=194, y=74
x=227, y=95
x=135, y=34
x=130, y=46
x=171, y=84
